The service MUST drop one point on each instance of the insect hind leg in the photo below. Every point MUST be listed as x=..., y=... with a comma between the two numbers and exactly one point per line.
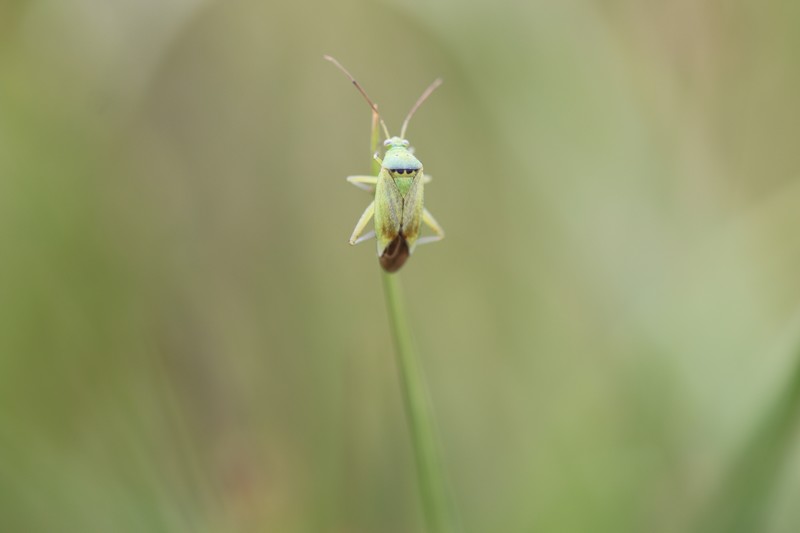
x=356, y=237
x=429, y=221
x=367, y=236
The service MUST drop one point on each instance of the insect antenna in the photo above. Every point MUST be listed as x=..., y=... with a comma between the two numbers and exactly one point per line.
x=432, y=87
x=362, y=91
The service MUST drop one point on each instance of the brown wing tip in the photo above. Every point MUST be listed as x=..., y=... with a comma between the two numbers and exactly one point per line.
x=395, y=255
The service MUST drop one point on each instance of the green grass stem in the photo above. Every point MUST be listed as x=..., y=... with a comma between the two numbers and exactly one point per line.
x=424, y=440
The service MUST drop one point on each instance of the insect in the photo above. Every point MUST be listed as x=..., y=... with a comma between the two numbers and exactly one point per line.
x=397, y=209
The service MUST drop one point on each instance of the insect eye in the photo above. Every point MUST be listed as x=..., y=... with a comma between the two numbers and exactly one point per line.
x=405, y=143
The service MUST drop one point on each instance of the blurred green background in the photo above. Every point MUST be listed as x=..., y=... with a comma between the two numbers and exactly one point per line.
x=610, y=329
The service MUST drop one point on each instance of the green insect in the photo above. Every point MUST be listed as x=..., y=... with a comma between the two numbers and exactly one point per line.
x=397, y=208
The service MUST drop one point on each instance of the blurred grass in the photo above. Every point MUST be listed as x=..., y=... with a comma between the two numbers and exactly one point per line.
x=745, y=498
x=187, y=343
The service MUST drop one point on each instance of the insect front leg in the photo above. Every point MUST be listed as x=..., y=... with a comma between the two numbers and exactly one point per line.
x=429, y=221
x=356, y=237
x=365, y=183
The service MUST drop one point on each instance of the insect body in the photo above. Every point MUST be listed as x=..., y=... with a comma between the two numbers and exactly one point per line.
x=397, y=209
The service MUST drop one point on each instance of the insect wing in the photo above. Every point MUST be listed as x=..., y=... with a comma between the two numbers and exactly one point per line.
x=412, y=211
x=388, y=210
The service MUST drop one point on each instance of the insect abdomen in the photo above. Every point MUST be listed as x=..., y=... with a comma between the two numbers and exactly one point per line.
x=395, y=254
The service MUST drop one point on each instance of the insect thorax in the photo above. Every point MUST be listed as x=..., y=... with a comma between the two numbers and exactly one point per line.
x=399, y=160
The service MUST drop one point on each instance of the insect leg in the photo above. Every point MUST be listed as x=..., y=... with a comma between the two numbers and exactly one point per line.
x=362, y=223
x=366, y=183
x=367, y=236
x=426, y=178
x=429, y=221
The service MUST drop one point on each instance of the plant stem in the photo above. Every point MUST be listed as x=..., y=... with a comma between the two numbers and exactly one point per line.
x=424, y=440
x=421, y=423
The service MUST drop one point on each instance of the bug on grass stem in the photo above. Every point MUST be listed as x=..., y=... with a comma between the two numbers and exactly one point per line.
x=397, y=209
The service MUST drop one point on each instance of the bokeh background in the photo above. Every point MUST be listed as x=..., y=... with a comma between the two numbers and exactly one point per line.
x=609, y=331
